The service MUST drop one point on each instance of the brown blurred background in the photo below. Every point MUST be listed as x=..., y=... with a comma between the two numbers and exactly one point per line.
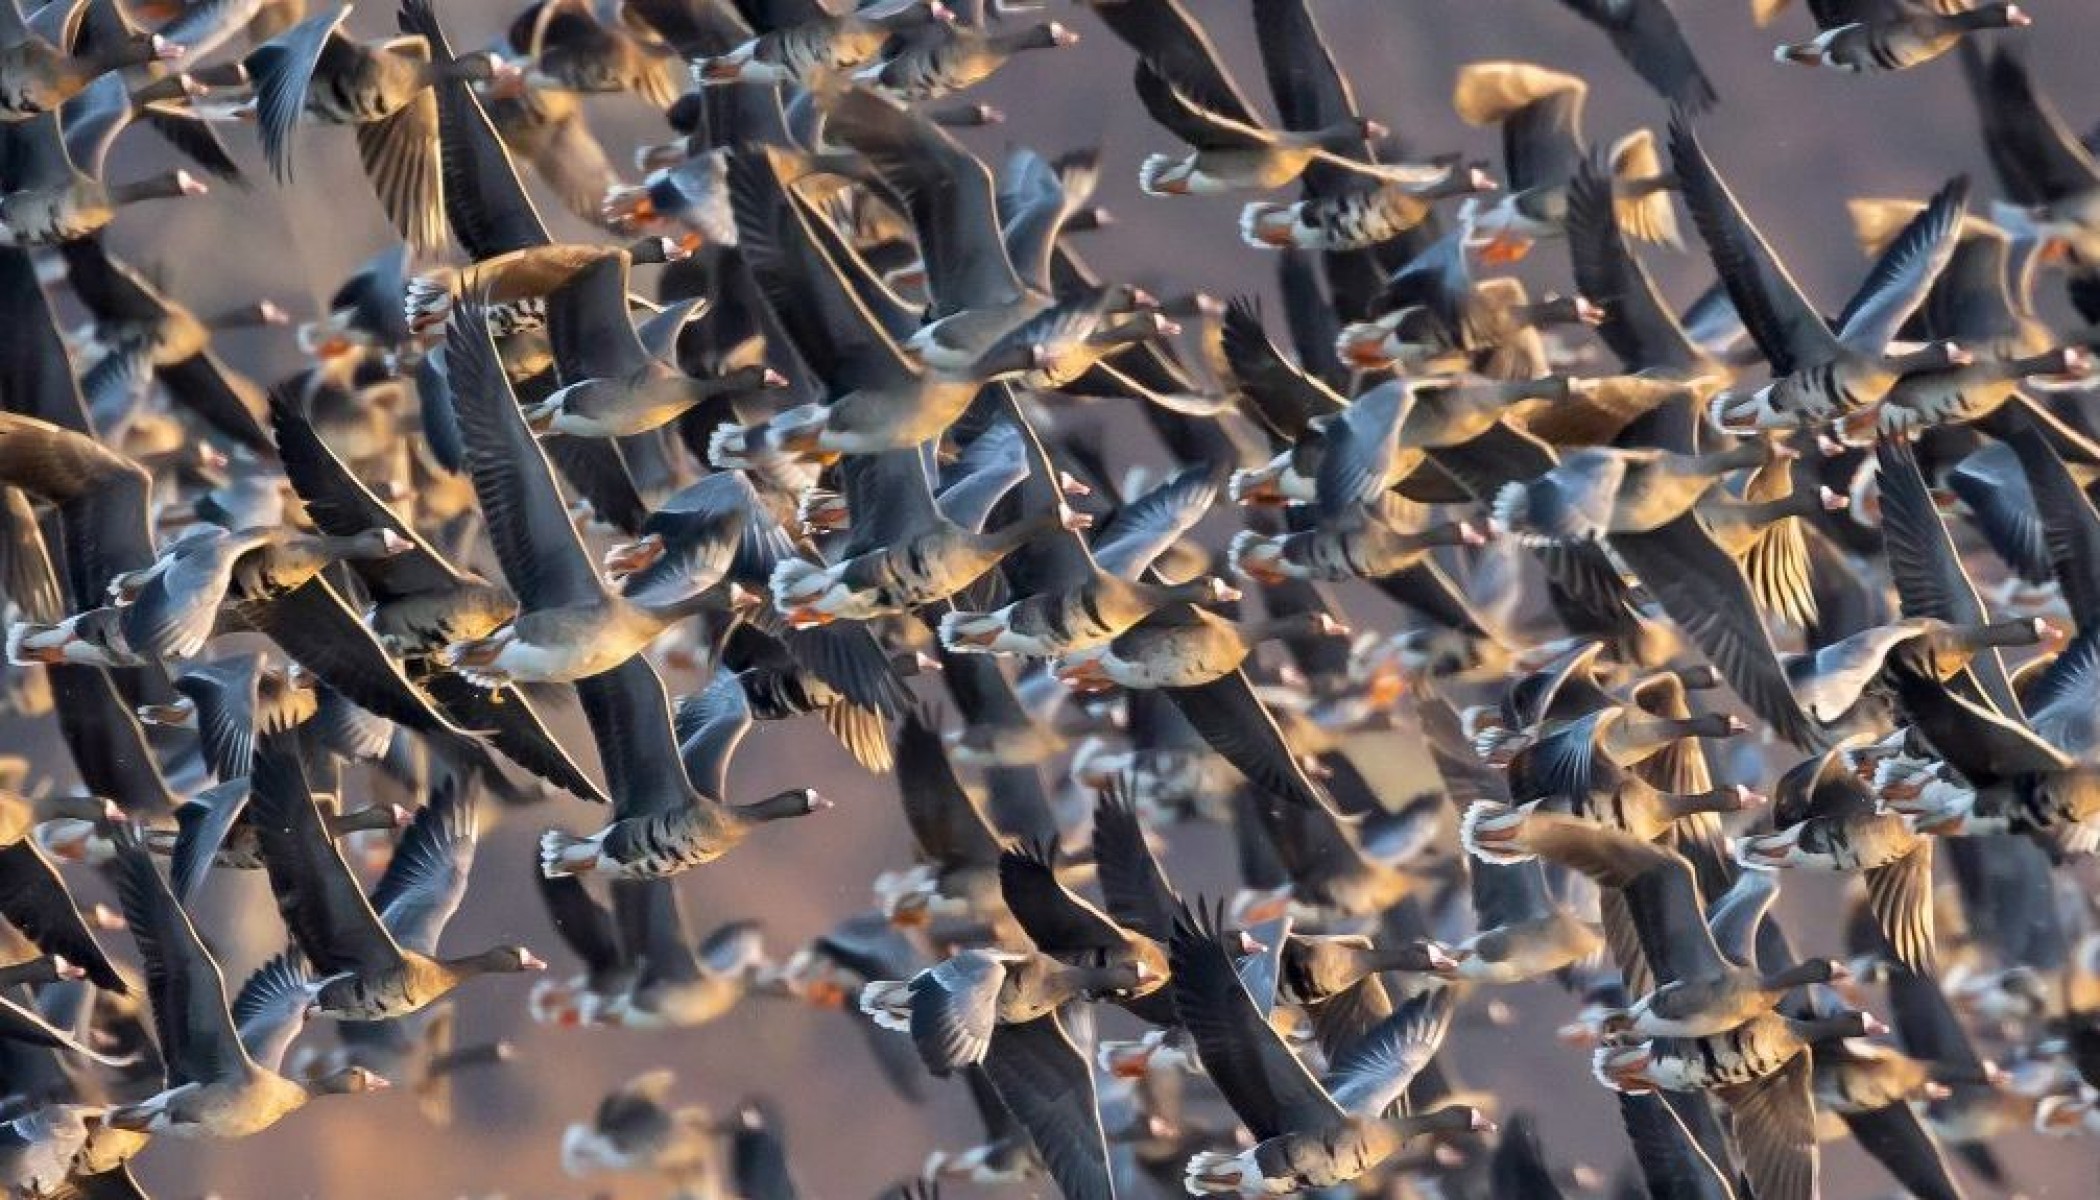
x=1794, y=143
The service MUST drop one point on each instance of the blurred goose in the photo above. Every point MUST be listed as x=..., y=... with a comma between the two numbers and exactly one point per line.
x=2048, y=173
x=53, y=189
x=634, y=1129
x=1871, y=1087
x=1599, y=492
x=566, y=47
x=39, y=76
x=1185, y=647
x=314, y=72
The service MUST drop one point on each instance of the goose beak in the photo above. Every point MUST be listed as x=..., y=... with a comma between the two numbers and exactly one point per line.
x=2017, y=17
x=528, y=961
x=65, y=969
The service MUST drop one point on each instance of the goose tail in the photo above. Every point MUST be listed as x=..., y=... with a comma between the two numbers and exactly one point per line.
x=563, y=853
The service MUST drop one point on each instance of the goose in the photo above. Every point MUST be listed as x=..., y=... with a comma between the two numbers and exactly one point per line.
x=1341, y=209
x=1073, y=597
x=900, y=552
x=830, y=973
x=1704, y=983
x=569, y=625
x=1863, y=37
x=664, y=821
x=420, y=601
x=1540, y=112
x=1371, y=549
x=210, y=833
x=1763, y=1068
x=641, y=970
x=1826, y=819
x=1073, y=931
x=958, y=848
x=1984, y=302
x=954, y=1009
x=1317, y=968
x=611, y=384
x=375, y=959
x=1820, y=372
x=1871, y=1087
x=1308, y=1133
x=882, y=401
x=1435, y=314
x=1638, y=325
x=37, y=900
x=1599, y=492
x=169, y=610
x=1185, y=647
x=216, y=1085
x=548, y=127
x=941, y=58
x=679, y=985
x=978, y=294
x=813, y=42
x=686, y=198
x=37, y=1147
x=1232, y=154
x=1000, y=1010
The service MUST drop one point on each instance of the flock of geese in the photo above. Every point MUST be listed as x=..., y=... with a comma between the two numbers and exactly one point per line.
x=1678, y=604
